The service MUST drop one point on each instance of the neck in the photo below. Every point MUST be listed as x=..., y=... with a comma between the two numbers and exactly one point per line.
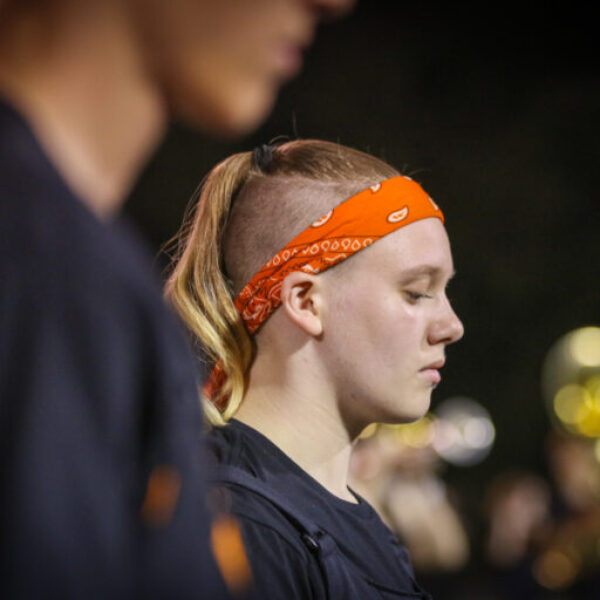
x=299, y=415
x=78, y=79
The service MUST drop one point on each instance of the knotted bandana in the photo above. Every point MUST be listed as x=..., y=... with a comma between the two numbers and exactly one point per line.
x=345, y=230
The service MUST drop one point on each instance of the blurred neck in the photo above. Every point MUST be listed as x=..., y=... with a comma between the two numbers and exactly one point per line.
x=77, y=77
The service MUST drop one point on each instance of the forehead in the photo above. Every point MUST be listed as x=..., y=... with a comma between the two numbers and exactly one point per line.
x=408, y=251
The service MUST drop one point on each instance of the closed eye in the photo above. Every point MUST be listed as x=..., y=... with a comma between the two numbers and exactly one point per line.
x=416, y=296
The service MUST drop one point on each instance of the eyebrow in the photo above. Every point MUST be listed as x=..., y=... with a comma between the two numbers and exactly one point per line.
x=424, y=271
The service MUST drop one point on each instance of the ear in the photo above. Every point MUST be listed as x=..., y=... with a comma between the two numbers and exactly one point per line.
x=301, y=298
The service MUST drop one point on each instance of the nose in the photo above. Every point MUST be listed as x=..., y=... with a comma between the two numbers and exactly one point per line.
x=330, y=9
x=447, y=328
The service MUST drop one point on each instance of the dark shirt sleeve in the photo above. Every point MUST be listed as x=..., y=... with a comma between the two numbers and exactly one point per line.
x=101, y=476
x=95, y=393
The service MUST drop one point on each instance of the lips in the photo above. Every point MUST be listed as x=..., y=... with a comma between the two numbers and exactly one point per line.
x=289, y=60
x=435, y=365
x=431, y=371
x=293, y=41
x=288, y=51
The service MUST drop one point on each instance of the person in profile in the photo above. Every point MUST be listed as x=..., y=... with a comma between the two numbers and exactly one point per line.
x=101, y=477
x=314, y=276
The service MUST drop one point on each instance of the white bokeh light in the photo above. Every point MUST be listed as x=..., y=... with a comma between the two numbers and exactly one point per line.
x=464, y=432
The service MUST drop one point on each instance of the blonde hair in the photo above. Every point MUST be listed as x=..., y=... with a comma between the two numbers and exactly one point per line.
x=248, y=207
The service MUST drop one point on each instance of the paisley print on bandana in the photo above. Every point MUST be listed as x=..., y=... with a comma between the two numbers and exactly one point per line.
x=348, y=228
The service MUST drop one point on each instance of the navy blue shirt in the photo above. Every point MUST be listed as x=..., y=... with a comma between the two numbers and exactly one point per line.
x=97, y=389
x=282, y=564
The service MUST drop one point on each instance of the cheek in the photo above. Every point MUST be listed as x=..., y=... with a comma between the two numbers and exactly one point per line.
x=377, y=324
x=396, y=341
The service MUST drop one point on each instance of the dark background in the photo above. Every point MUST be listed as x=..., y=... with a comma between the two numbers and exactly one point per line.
x=494, y=109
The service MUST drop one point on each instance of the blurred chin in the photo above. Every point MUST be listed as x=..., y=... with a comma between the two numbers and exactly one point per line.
x=226, y=113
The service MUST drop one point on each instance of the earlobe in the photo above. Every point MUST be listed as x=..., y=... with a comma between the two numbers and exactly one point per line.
x=301, y=301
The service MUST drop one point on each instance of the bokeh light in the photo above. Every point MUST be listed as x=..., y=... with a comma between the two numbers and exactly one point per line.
x=464, y=432
x=418, y=434
x=571, y=382
x=556, y=569
x=585, y=346
x=460, y=431
x=369, y=431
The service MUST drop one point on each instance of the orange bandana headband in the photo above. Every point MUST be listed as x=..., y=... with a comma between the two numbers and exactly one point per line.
x=345, y=230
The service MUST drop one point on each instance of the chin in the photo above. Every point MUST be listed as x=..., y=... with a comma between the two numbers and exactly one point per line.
x=409, y=411
x=229, y=113
x=404, y=418
x=394, y=416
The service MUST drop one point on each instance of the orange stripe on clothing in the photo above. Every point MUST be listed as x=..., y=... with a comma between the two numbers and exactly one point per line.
x=347, y=229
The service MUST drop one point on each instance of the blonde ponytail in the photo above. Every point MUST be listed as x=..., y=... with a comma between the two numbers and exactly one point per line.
x=199, y=292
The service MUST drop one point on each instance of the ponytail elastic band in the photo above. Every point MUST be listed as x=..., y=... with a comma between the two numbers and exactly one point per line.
x=345, y=230
x=262, y=156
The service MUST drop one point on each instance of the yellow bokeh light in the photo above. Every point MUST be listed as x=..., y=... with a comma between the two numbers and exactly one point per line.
x=416, y=435
x=369, y=431
x=555, y=569
x=569, y=402
x=588, y=422
x=593, y=387
x=578, y=408
x=589, y=414
x=585, y=346
x=571, y=381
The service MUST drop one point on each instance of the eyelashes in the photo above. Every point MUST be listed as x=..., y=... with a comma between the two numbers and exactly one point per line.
x=416, y=296
x=430, y=293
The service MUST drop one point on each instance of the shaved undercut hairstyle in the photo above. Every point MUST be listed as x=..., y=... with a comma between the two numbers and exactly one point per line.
x=246, y=210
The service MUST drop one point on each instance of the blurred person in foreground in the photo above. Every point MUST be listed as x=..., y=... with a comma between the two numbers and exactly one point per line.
x=101, y=479
x=315, y=277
